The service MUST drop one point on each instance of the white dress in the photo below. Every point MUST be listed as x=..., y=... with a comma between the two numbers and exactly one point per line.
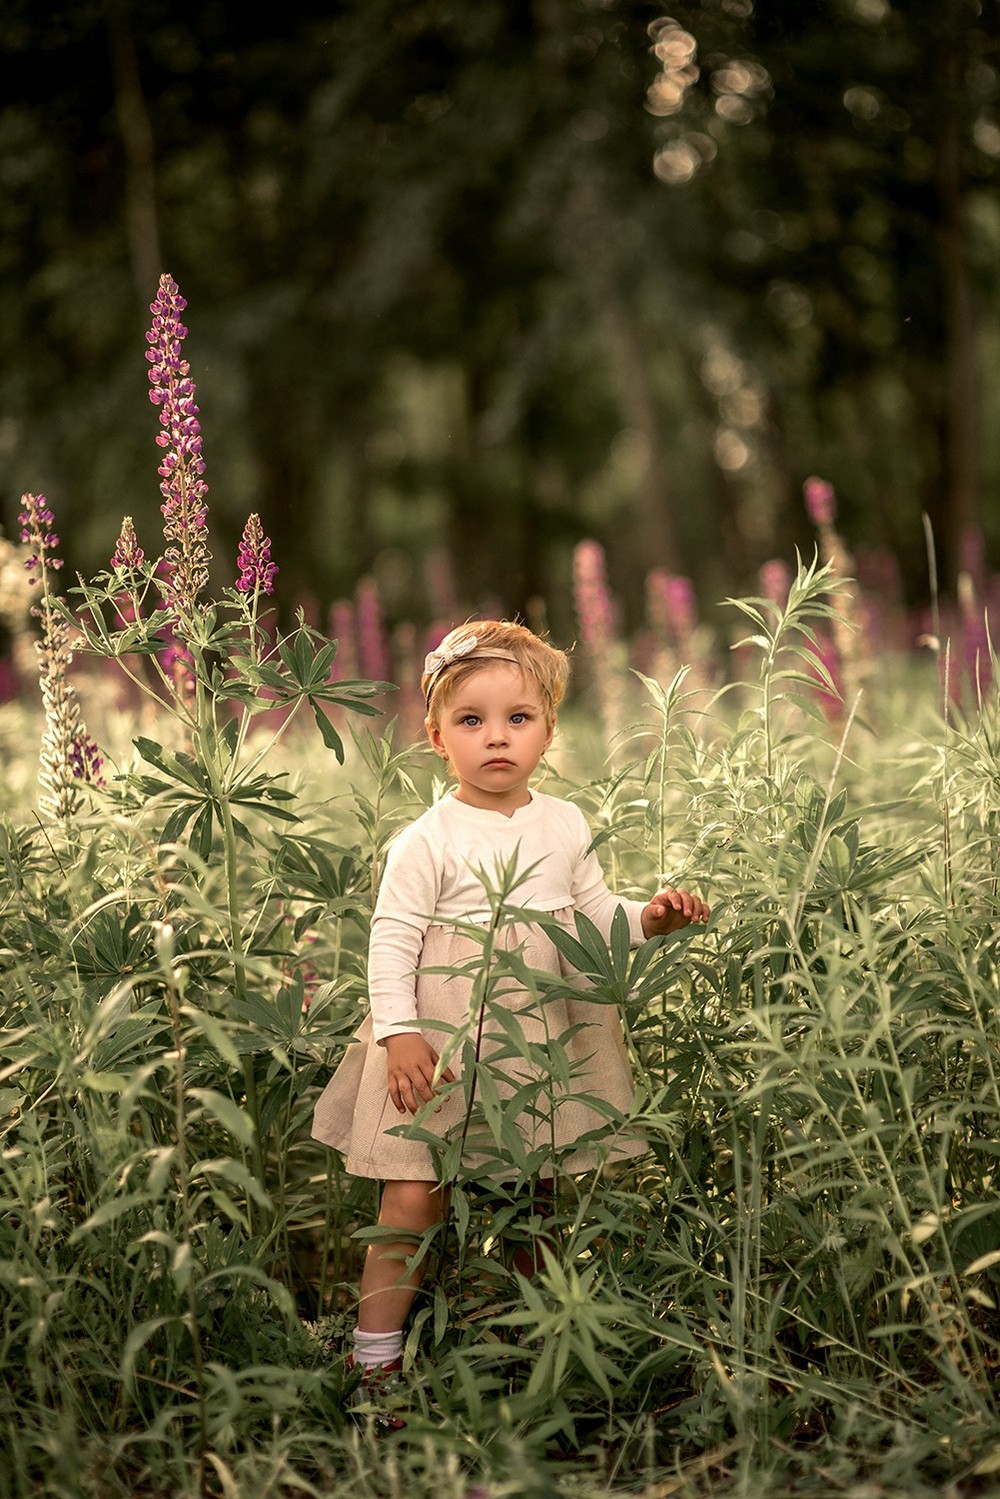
x=540, y=1071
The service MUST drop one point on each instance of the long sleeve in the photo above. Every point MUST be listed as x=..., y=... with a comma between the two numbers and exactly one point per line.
x=592, y=896
x=393, y=958
x=407, y=901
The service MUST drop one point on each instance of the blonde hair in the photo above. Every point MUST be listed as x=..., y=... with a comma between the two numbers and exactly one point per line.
x=464, y=649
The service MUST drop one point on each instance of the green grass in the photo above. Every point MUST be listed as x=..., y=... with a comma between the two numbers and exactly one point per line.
x=794, y=1292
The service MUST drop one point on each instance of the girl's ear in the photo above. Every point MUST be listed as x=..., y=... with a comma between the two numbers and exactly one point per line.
x=434, y=735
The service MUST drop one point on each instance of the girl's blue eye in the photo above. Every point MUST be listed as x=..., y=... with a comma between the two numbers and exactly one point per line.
x=518, y=717
x=470, y=720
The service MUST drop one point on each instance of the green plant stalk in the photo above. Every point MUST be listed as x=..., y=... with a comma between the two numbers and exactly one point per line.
x=888, y=1176
x=239, y=980
x=207, y=753
x=483, y=983
x=183, y=1190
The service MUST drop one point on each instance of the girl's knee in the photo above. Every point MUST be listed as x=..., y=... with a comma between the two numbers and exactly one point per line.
x=415, y=1205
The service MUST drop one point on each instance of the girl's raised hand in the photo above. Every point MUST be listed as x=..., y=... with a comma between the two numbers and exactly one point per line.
x=410, y=1063
x=670, y=910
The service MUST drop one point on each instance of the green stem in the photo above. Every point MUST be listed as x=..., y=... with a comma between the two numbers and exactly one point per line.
x=262, y=754
x=239, y=976
x=184, y=1194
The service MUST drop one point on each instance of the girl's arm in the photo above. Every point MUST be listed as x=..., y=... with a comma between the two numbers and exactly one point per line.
x=407, y=896
x=667, y=912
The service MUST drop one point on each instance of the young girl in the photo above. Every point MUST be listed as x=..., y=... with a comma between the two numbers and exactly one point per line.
x=491, y=689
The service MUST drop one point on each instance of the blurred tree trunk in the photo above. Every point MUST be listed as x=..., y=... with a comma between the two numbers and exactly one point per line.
x=590, y=233
x=141, y=221
x=655, y=538
x=959, y=497
x=285, y=459
x=468, y=524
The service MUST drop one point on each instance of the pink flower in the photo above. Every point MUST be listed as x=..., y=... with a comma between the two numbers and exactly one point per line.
x=69, y=757
x=820, y=500
x=128, y=552
x=36, y=531
x=594, y=609
x=254, y=560
x=181, y=469
x=775, y=581
x=373, y=648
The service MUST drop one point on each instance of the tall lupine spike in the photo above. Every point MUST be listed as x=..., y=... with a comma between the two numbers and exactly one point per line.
x=682, y=610
x=257, y=571
x=595, y=616
x=821, y=501
x=69, y=758
x=661, y=659
x=776, y=581
x=128, y=553
x=593, y=600
x=36, y=531
x=182, y=486
x=373, y=649
x=341, y=627
x=849, y=649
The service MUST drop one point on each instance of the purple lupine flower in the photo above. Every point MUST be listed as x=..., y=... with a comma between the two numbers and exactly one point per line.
x=821, y=502
x=178, y=667
x=340, y=626
x=825, y=651
x=670, y=606
x=373, y=649
x=776, y=581
x=595, y=615
x=128, y=553
x=36, y=531
x=593, y=599
x=86, y=761
x=682, y=611
x=257, y=571
x=68, y=757
x=182, y=486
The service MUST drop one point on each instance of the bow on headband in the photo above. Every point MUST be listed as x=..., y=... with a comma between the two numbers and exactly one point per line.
x=436, y=661
x=467, y=647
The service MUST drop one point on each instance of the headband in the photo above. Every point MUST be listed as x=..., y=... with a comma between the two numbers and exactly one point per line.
x=465, y=649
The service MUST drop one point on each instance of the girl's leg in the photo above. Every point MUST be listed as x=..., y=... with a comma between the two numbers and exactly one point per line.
x=387, y=1287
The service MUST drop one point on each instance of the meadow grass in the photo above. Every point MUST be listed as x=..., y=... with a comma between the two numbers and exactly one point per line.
x=793, y=1291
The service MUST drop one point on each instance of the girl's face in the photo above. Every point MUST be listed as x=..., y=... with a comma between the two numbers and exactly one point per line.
x=494, y=732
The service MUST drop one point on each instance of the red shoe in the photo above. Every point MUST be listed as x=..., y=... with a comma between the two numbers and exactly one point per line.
x=381, y=1389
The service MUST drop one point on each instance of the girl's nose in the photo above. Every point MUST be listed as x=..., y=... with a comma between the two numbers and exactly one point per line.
x=498, y=734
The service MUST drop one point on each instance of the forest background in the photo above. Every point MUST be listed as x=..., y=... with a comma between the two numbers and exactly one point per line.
x=477, y=280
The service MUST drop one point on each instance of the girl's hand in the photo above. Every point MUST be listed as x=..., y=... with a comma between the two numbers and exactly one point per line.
x=410, y=1063
x=672, y=909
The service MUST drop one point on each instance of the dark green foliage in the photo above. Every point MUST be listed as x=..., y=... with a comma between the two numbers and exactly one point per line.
x=799, y=1279
x=449, y=304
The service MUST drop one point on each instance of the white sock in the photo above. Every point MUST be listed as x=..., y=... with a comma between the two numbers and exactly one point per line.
x=372, y=1350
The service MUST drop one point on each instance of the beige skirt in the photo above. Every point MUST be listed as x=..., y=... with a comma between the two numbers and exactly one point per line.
x=537, y=1073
